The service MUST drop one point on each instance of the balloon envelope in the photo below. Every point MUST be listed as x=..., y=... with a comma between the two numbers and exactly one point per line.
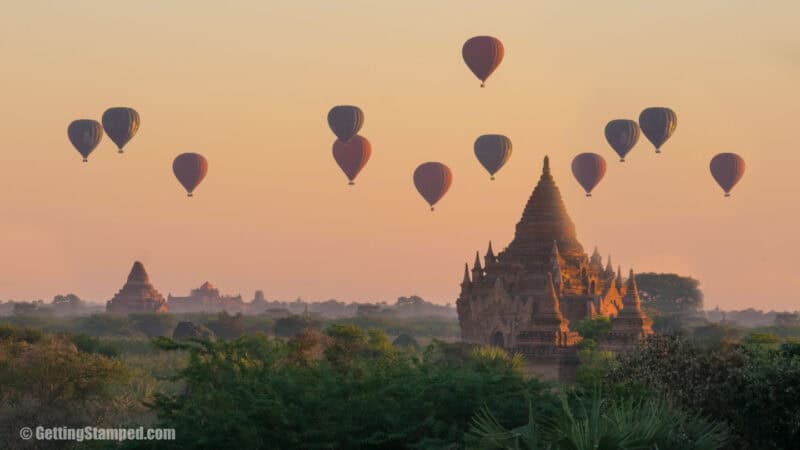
x=432, y=180
x=345, y=121
x=352, y=155
x=492, y=151
x=658, y=124
x=482, y=54
x=727, y=169
x=190, y=169
x=121, y=125
x=589, y=169
x=85, y=134
x=622, y=135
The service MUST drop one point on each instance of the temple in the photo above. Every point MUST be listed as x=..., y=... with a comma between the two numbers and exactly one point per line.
x=137, y=295
x=525, y=297
x=206, y=298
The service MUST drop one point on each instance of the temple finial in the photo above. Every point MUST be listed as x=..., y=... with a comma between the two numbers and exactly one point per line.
x=477, y=265
x=466, y=280
x=546, y=167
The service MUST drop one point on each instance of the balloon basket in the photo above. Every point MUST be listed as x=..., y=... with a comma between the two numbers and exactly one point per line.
x=189, y=194
x=622, y=160
x=120, y=151
x=588, y=195
x=492, y=178
x=351, y=183
x=727, y=194
x=431, y=208
x=85, y=160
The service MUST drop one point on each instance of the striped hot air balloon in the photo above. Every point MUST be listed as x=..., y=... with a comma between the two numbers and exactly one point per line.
x=190, y=169
x=85, y=135
x=492, y=151
x=121, y=124
x=658, y=124
x=345, y=121
x=622, y=135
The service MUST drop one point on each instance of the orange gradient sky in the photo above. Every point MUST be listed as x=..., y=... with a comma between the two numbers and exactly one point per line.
x=249, y=83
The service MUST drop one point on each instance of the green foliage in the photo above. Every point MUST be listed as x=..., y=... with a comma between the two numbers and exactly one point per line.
x=16, y=334
x=108, y=325
x=90, y=344
x=288, y=327
x=48, y=381
x=596, y=422
x=752, y=387
x=227, y=326
x=153, y=325
x=405, y=341
x=595, y=329
x=761, y=338
x=668, y=293
x=253, y=393
x=594, y=366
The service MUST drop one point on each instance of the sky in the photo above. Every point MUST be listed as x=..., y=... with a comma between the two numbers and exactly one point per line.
x=249, y=85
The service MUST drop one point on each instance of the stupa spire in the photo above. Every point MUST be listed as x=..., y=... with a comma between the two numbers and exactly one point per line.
x=618, y=281
x=631, y=298
x=550, y=305
x=489, y=258
x=466, y=281
x=138, y=274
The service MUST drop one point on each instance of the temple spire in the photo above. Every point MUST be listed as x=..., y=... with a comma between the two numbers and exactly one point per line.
x=466, y=281
x=477, y=271
x=550, y=305
x=490, y=258
x=609, y=267
x=546, y=166
x=596, y=260
x=631, y=299
x=618, y=281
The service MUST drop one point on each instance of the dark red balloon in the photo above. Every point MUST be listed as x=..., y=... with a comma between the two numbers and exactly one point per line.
x=589, y=169
x=190, y=169
x=432, y=180
x=727, y=169
x=483, y=54
x=352, y=155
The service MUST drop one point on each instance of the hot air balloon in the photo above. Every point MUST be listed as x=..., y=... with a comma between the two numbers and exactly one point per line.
x=345, y=121
x=658, y=124
x=492, y=151
x=432, y=180
x=482, y=54
x=121, y=125
x=589, y=169
x=190, y=169
x=352, y=155
x=727, y=169
x=622, y=135
x=85, y=134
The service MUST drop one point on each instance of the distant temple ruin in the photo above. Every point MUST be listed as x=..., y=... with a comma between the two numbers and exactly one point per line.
x=206, y=298
x=525, y=298
x=137, y=295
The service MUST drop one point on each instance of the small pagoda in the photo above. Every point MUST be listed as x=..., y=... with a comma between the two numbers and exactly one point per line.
x=137, y=296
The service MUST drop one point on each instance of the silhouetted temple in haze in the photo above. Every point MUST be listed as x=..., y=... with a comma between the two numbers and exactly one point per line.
x=137, y=295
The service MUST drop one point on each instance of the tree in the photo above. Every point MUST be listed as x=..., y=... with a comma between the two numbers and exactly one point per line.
x=596, y=328
x=227, y=326
x=153, y=325
x=752, y=387
x=287, y=327
x=668, y=293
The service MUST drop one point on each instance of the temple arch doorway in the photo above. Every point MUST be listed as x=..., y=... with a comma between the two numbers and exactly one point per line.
x=497, y=339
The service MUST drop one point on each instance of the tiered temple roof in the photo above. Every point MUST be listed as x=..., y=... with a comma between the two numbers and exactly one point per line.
x=137, y=295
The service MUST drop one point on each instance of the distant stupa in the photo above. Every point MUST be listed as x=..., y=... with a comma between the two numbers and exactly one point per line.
x=137, y=295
